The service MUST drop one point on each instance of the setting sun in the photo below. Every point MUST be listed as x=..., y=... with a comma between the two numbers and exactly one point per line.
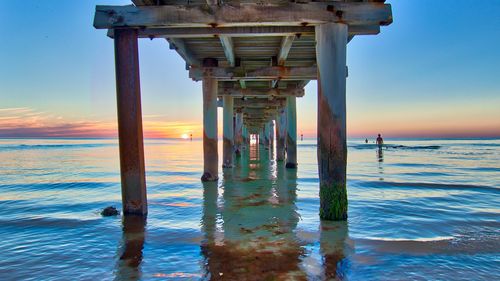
x=185, y=136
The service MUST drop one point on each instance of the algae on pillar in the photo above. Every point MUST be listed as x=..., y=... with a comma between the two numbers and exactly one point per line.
x=331, y=41
x=131, y=144
x=210, y=153
x=228, y=132
x=291, y=133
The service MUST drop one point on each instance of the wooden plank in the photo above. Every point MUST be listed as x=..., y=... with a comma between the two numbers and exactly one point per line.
x=248, y=14
x=265, y=73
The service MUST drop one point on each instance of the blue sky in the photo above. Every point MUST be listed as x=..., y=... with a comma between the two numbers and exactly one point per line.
x=434, y=71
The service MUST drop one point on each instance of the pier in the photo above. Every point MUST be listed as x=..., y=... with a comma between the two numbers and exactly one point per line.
x=254, y=59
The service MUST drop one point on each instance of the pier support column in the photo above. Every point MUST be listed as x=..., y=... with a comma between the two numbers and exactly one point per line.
x=210, y=153
x=128, y=95
x=331, y=41
x=291, y=133
x=228, y=132
x=267, y=140
x=238, y=134
x=280, y=134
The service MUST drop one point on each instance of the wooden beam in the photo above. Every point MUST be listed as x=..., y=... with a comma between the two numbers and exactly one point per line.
x=242, y=31
x=286, y=45
x=248, y=14
x=294, y=92
x=265, y=73
x=178, y=45
x=227, y=46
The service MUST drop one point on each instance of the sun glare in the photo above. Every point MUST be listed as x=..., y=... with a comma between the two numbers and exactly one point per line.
x=185, y=136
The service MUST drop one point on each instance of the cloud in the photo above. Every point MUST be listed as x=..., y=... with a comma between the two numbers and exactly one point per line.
x=27, y=122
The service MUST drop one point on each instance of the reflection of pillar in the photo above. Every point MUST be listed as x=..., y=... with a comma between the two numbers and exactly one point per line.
x=331, y=40
x=280, y=134
x=334, y=249
x=228, y=132
x=130, y=252
x=291, y=133
x=209, y=219
x=210, y=153
x=238, y=134
x=128, y=95
x=271, y=133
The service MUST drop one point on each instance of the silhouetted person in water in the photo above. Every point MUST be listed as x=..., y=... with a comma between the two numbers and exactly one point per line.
x=366, y=140
x=380, y=141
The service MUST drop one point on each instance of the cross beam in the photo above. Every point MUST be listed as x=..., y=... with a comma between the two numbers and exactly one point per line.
x=295, y=92
x=248, y=14
x=242, y=31
x=265, y=73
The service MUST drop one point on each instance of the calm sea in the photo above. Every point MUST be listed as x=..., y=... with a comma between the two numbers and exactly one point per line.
x=418, y=210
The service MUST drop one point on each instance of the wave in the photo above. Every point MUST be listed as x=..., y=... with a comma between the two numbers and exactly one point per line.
x=394, y=146
x=386, y=184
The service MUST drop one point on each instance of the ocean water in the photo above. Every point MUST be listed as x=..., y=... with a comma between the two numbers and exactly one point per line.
x=418, y=210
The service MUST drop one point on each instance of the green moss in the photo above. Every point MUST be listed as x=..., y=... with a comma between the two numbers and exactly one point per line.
x=333, y=202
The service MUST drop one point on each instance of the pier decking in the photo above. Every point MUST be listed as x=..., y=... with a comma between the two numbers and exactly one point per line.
x=256, y=57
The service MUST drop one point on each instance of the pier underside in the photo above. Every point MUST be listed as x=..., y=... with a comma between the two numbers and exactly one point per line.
x=254, y=58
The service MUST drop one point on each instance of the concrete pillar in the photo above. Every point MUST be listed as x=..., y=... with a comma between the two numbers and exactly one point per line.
x=331, y=41
x=210, y=153
x=238, y=134
x=267, y=133
x=261, y=136
x=128, y=95
x=280, y=134
x=228, y=132
x=291, y=133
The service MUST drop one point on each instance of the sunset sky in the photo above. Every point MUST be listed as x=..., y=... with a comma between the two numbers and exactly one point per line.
x=435, y=72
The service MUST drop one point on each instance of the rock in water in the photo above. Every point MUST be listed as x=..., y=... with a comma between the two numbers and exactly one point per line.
x=109, y=211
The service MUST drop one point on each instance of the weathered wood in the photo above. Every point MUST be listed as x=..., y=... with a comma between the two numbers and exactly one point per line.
x=210, y=153
x=332, y=148
x=264, y=73
x=242, y=31
x=261, y=92
x=128, y=94
x=248, y=14
x=280, y=134
x=227, y=46
x=291, y=133
x=228, y=133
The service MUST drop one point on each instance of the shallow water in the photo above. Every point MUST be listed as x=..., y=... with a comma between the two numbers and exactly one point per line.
x=418, y=210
